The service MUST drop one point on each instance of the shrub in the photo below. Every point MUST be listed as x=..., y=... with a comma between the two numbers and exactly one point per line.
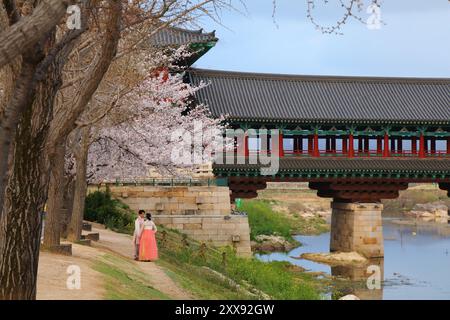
x=101, y=207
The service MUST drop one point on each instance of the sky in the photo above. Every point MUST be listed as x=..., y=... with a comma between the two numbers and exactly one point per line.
x=413, y=42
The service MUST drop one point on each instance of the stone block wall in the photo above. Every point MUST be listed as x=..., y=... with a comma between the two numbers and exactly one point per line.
x=357, y=227
x=203, y=213
x=214, y=229
x=178, y=200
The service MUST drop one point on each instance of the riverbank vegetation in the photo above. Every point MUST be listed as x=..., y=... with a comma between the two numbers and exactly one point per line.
x=265, y=219
x=204, y=271
x=124, y=281
x=212, y=273
x=420, y=194
x=102, y=208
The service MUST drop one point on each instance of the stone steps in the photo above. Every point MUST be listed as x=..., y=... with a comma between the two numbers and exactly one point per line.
x=84, y=242
x=87, y=226
x=64, y=249
x=95, y=236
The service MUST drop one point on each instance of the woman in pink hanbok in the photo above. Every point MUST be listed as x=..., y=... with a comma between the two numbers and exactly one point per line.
x=148, y=249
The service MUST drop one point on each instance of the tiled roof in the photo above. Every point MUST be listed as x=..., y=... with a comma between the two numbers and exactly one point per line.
x=177, y=36
x=316, y=99
x=379, y=165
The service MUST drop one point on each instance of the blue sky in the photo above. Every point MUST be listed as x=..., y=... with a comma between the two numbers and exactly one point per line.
x=415, y=42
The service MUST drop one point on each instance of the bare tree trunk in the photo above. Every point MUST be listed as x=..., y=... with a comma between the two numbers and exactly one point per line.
x=69, y=191
x=28, y=178
x=28, y=31
x=23, y=95
x=26, y=193
x=76, y=220
x=55, y=200
x=20, y=223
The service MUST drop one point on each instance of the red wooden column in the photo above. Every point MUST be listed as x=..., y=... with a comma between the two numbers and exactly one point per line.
x=246, y=149
x=386, y=152
x=379, y=145
x=422, y=146
x=316, y=152
x=414, y=145
x=280, y=144
x=448, y=146
x=344, y=145
x=351, y=146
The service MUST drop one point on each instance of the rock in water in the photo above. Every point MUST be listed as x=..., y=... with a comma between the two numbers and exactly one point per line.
x=335, y=258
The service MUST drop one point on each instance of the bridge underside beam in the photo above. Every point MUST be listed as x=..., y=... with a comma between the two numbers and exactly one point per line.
x=245, y=188
x=358, y=191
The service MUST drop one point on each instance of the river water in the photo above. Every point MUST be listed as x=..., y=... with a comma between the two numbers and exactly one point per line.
x=416, y=262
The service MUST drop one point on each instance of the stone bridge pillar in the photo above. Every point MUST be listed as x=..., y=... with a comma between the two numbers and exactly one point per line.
x=356, y=223
x=357, y=227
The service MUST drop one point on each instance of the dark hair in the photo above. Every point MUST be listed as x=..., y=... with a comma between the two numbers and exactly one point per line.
x=141, y=211
x=148, y=216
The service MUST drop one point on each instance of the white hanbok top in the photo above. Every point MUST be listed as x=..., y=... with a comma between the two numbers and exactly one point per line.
x=149, y=225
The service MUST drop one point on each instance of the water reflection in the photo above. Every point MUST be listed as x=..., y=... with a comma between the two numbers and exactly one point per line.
x=366, y=281
x=415, y=266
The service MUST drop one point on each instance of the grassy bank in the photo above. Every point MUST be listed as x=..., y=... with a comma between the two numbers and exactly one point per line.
x=124, y=281
x=265, y=220
x=212, y=273
x=204, y=271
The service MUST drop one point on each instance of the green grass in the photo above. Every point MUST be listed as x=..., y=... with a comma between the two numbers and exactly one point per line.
x=310, y=226
x=185, y=265
x=124, y=281
x=199, y=282
x=264, y=221
x=102, y=208
x=275, y=279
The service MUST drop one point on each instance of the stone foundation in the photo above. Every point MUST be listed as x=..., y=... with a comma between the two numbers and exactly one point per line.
x=357, y=227
x=203, y=213
x=219, y=231
x=181, y=200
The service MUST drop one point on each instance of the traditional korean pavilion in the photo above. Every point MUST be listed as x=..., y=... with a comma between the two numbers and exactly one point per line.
x=336, y=129
x=357, y=140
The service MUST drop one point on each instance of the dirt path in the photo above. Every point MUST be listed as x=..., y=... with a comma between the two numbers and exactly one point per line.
x=122, y=244
x=52, y=275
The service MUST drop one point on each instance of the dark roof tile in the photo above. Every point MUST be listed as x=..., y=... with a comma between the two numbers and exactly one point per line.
x=267, y=97
x=177, y=36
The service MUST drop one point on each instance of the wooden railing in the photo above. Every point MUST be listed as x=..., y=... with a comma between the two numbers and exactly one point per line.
x=357, y=153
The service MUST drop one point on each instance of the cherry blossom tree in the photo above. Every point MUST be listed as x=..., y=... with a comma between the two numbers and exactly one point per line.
x=162, y=109
x=154, y=122
x=46, y=86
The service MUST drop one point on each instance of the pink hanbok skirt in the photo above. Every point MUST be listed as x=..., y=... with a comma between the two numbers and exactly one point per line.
x=148, y=248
